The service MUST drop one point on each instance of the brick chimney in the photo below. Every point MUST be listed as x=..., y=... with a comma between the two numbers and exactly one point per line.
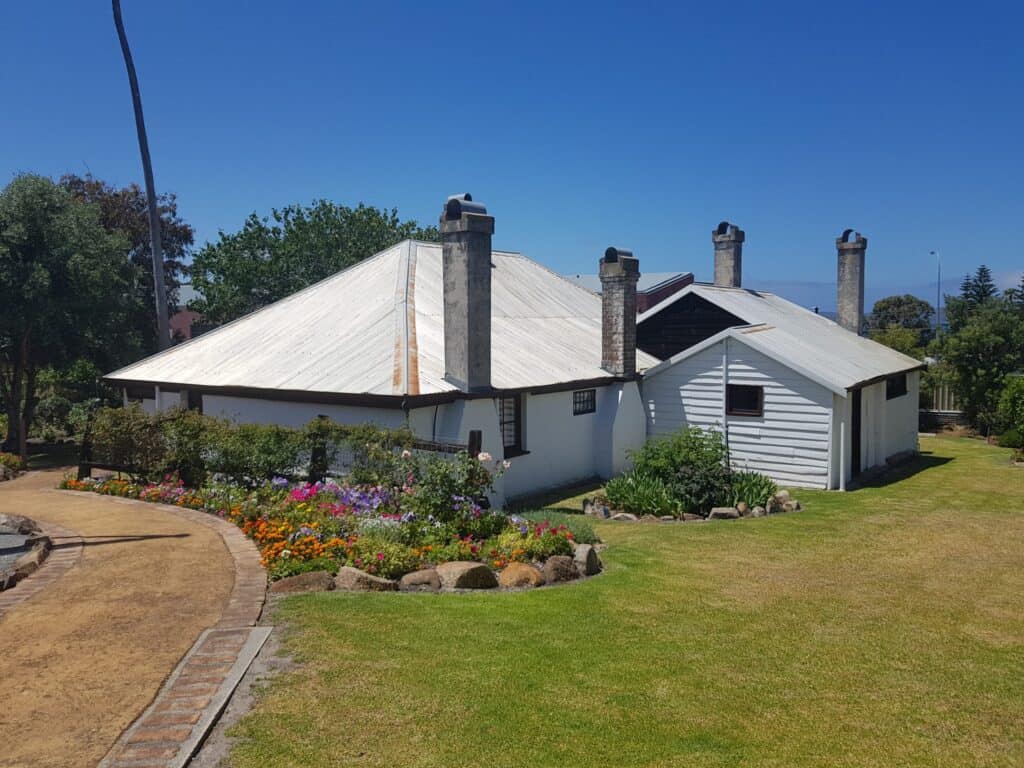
x=728, y=240
x=466, y=231
x=850, y=298
x=619, y=271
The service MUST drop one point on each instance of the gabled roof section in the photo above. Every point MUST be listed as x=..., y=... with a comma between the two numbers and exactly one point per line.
x=648, y=282
x=794, y=336
x=377, y=328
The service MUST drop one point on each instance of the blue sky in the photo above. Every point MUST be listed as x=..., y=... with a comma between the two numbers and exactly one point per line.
x=579, y=125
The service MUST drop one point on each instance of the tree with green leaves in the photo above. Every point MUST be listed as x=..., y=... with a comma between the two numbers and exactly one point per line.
x=976, y=291
x=296, y=246
x=904, y=311
x=126, y=210
x=981, y=354
x=65, y=285
x=905, y=340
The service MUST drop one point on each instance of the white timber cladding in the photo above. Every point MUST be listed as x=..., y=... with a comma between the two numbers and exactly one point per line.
x=790, y=442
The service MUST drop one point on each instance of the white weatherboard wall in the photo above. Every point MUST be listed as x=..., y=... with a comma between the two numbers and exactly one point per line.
x=789, y=443
x=888, y=427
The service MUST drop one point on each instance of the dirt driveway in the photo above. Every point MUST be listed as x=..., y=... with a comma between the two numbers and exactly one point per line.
x=81, y=659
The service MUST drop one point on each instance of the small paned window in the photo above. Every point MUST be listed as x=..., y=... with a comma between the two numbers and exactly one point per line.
x=584, y=401
x=511, y=421
x=896, y=386
x=744, y=400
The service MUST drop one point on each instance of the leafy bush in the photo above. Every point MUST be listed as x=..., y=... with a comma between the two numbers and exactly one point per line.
x=1011, y=404
x=694, y=464
x=387, y=559
x=12, y=461
x=292, y=566
x=189, y=438
x=128, y=437
x=1011, y=438
x=252, y=453
x=581, y=529
x=52, y=413
x=641, y=495
x=753, y=488
x=449, y=490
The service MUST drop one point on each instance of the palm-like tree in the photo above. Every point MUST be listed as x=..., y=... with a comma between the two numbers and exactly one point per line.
x=163, y=332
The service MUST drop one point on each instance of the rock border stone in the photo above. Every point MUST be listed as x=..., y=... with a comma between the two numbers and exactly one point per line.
x=781, y=502
x=63, y=549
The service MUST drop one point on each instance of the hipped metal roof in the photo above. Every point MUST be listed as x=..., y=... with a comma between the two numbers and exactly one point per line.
x=377, y=328
x=794, y=336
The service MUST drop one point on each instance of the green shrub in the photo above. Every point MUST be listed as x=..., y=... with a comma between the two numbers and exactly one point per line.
x=52, y=413
x=252, y=453
x=128, y=437
x=581, y=529
x=1011, y=404
x=293, y=566
x=641, y=495
x=189, y=439
x=753, y=488
x=447, y=489
x=1011, y=438
x=694, y=464
x=387, y=559
x=12, y=461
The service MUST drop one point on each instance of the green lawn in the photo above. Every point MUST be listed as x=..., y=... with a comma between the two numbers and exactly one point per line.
x=882, y=627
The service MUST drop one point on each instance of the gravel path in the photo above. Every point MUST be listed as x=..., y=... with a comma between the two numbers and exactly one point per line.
x=82, y=658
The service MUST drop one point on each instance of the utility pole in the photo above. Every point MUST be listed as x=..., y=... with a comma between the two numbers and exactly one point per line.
x=162, y=329
x=938, y=293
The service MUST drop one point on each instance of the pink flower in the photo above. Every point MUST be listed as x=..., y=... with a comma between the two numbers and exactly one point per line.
x=380, y=555
x=484, y=456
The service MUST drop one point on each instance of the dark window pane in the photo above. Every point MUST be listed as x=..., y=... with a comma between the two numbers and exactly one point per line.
x=896, y=386
x=744, y=400
x=509, y=419
x=584, y=401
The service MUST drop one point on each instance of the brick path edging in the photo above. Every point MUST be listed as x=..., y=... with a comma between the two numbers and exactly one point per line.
x=189, y=702
x=65, y=549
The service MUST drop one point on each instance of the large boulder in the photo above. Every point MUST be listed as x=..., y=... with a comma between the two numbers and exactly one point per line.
x=723, y=513
x=743, y=508
x=466, y=575
x=18, y=524
x=791, y=506
x=782, y=496
x=314, y=581
x=353, y=580
x=586, y=559
x=425, y=580
x=758, y=512
x=689, y=517
x=626, y=517
x=559, y=568
x=518, y=575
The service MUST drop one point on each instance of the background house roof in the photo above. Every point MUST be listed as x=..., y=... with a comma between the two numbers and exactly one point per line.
x=797, y=337
x=649, y=281
x=378, y=328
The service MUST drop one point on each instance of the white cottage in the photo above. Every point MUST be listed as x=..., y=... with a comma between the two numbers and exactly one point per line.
x=444, y=338
x=798, y=397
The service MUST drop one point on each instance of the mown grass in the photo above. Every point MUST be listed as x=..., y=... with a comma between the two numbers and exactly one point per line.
x=880, y=627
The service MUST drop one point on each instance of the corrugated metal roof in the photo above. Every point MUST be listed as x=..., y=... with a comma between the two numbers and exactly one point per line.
x=648, y=281
x=378, y=328
x=797, y=337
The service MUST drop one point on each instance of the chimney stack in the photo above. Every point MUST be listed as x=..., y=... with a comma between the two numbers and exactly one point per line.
x=728, y=240
x=466, y=231
x=850, y=300
x=619, y=271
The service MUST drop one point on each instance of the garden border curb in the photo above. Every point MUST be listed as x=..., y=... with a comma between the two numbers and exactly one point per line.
x=65, y=551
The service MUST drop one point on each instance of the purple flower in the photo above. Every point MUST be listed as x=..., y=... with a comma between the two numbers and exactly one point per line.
x=279, y=483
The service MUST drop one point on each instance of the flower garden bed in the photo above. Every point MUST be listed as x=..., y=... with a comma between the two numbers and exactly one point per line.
x=428, y=531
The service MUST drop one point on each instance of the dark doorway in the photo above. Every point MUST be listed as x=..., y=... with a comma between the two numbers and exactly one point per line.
x=855, y=420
